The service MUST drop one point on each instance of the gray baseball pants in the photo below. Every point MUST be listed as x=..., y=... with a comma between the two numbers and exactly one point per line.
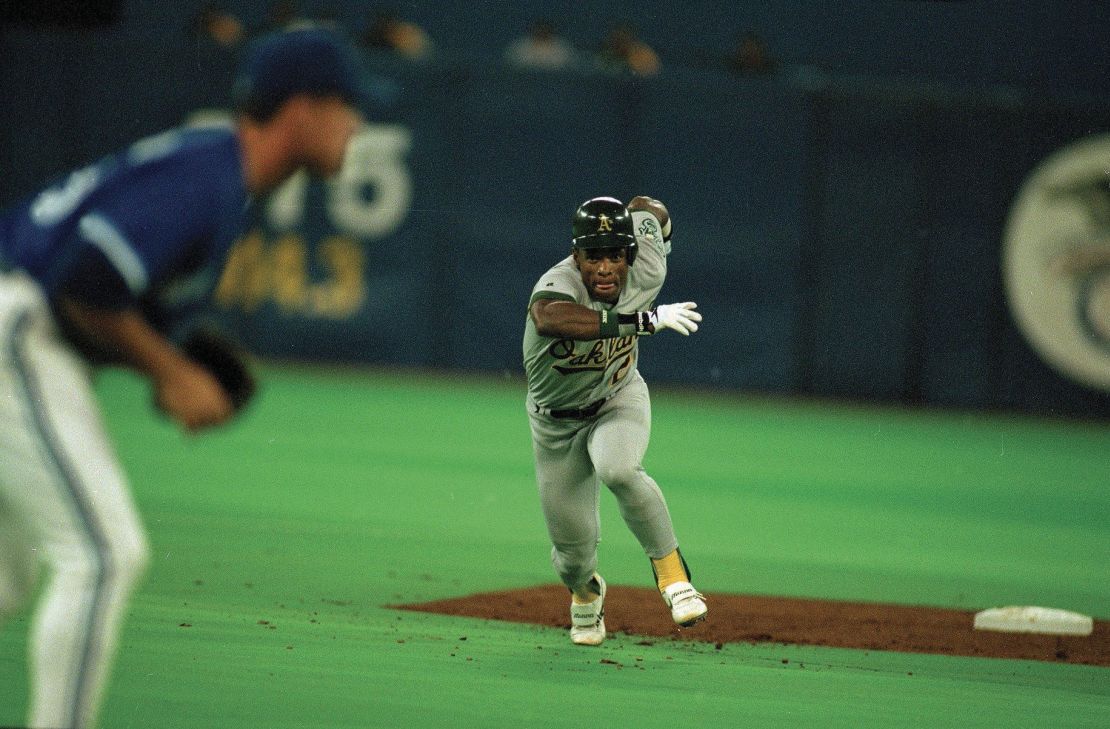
x=574, y=457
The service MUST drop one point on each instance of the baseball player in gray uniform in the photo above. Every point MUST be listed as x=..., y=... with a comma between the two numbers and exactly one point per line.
x=589, y=407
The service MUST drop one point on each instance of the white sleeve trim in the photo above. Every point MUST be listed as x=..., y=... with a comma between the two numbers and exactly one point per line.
x=100, y=231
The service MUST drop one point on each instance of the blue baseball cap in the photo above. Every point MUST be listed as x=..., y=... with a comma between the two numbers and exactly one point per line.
x=310, y=60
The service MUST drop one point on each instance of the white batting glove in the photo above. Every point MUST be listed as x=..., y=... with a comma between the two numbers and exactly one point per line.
x=680, y=317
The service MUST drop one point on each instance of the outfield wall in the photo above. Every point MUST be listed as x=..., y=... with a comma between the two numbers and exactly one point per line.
x=843, y=236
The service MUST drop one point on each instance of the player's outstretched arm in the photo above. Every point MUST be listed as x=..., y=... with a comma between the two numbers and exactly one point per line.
x=568, y=320
x=565, y=319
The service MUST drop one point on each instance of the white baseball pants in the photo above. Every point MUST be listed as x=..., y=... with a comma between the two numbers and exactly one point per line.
x=64, y=506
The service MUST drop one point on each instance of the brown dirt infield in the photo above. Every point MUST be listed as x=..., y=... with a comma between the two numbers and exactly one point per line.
x=759, y=619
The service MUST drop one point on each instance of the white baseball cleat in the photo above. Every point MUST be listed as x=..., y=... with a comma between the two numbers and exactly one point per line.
x=587, y=622
x=687, y=604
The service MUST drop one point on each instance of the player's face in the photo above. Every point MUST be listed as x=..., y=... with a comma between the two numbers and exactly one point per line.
x=604, y=271
x=330, y=124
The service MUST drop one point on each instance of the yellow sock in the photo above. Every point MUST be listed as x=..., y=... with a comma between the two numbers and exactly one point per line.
x=669, y=570
x=584, y=595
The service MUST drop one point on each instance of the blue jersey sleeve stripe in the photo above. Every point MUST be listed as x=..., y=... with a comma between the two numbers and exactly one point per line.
x=100, y=231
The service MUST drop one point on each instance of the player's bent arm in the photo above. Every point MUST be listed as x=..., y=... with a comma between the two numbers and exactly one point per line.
x=651, y=205
x=656, y=208
x=183, y=390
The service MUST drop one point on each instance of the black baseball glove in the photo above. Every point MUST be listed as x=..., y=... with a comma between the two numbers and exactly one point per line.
x=225, y=360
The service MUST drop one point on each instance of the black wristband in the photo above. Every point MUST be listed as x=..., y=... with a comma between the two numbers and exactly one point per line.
x=638, y=323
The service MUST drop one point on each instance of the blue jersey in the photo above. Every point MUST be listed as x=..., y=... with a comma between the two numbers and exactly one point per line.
x=148, y=228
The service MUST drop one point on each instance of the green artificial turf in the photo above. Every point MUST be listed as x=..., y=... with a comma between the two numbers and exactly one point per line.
x=276, y=542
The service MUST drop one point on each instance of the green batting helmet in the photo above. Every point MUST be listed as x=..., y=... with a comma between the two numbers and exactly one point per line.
x=603, y=222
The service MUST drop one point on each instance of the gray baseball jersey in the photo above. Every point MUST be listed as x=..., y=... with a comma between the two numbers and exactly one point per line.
x=563, y=373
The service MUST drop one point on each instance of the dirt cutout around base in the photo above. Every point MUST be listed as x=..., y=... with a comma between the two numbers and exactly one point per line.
x=758, y=619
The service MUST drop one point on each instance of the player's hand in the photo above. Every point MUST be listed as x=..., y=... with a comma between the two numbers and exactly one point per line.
x=191, y=396
x=680, y=317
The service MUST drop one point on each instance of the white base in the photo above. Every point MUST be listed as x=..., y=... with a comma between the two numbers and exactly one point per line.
x=1051, y=621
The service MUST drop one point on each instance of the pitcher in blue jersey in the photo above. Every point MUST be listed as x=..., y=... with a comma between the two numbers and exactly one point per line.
x=100, y=268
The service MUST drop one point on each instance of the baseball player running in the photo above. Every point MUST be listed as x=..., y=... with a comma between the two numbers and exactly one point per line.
x=589, y=408
x=103, y=267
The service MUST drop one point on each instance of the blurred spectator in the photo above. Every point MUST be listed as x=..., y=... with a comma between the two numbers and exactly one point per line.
x=542, y=48
x=327, y=17
x=388, y=32
x=622, y=50
x=282, y=15
x=216, y=24
x=750, y=56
